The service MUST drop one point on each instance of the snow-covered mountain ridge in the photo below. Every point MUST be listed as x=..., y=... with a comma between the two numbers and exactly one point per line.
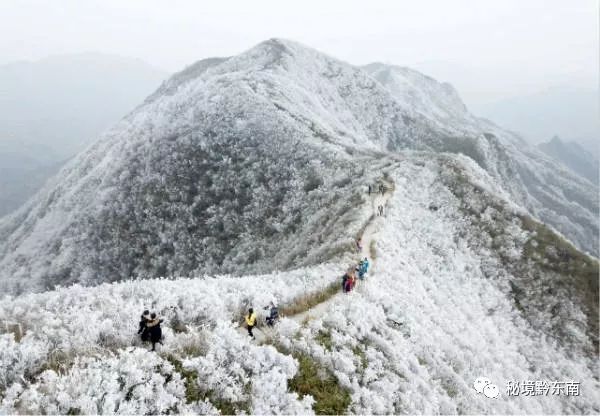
x=443, y=305
x=254, y=163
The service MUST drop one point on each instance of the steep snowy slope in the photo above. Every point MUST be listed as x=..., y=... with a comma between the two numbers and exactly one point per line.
x=439, y=309
x=548, y=190
x=458, y=293
x=211, y=177
x=254, y=163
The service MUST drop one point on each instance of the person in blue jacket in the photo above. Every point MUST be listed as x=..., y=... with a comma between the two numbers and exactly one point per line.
x=364, y=267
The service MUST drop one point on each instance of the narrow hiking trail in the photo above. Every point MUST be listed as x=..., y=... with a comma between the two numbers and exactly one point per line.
x=376, y=199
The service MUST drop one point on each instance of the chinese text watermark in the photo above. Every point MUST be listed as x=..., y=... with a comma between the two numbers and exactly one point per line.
x=542, y=388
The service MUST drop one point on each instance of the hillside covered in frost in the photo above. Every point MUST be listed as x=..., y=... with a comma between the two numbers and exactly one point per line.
x=464, y=284
x=255, y=163
x=550, y=191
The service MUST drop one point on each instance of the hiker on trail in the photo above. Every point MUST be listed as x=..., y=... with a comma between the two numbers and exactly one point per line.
x=382, y=189
x=345, y=279
x=250, y=322
x=349, y=281
x=273, y=313
x=348, y=284
x=380, y=209
x=153, y=326
x=360, y=270
x=359, y=245
x=369, y=189
x=366, y=265
x=143, y=328
x=352, y=281
x=363, y=267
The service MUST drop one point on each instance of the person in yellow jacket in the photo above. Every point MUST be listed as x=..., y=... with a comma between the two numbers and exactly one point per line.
x=251, y=321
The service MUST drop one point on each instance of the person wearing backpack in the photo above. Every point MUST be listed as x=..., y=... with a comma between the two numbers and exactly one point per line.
x=273, y=313
x=143, y=328
x=361, y=270
x=364, y=266
x=153, y=326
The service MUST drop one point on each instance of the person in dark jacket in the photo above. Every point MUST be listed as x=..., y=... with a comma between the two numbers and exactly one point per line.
x=153, y=326
x=350, y=282
x=273, y=313
x=345, y=278
x=143, y=329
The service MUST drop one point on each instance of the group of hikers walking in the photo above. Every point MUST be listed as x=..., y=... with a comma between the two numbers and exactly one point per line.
x=349, y=280
x=149, y=329
x=351, y=277
x=381, y=189
x=251, y=319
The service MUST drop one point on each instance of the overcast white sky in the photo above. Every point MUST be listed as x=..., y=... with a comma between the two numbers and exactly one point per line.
x=509, y=45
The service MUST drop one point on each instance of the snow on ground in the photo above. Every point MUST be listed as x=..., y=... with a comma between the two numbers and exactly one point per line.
x=411, y=339
x=97, y=326
x=414, y=338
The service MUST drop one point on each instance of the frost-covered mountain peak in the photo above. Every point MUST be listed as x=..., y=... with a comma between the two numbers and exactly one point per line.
x=235, y=164
x=419, y=92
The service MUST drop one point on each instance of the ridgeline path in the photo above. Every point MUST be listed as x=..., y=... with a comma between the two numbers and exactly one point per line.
x=262, y=332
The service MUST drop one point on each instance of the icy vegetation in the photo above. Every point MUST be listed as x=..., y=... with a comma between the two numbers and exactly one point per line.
x=548, y=190
x=437, y=311
x=244, y=180
x=72, y=348
x=253, y=163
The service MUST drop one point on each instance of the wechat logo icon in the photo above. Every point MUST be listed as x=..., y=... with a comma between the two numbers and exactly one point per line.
x=485, y=386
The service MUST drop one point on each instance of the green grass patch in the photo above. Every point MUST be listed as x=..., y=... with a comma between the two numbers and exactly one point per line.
x=324, y=338
x=549, y=264
x=578, y=272
x=450, y=387
x=362, y=356
x=304, y=303
x=190, y=380
x=561, y=255
x=193, y=392
x=315, y=380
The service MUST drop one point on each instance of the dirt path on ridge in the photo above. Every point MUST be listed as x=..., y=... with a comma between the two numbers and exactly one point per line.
x=261, y=332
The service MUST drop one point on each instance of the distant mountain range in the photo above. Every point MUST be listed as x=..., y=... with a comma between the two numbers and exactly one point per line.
x=562, y=111
x=573, y=155
x=565, y=105
x=51, y=109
